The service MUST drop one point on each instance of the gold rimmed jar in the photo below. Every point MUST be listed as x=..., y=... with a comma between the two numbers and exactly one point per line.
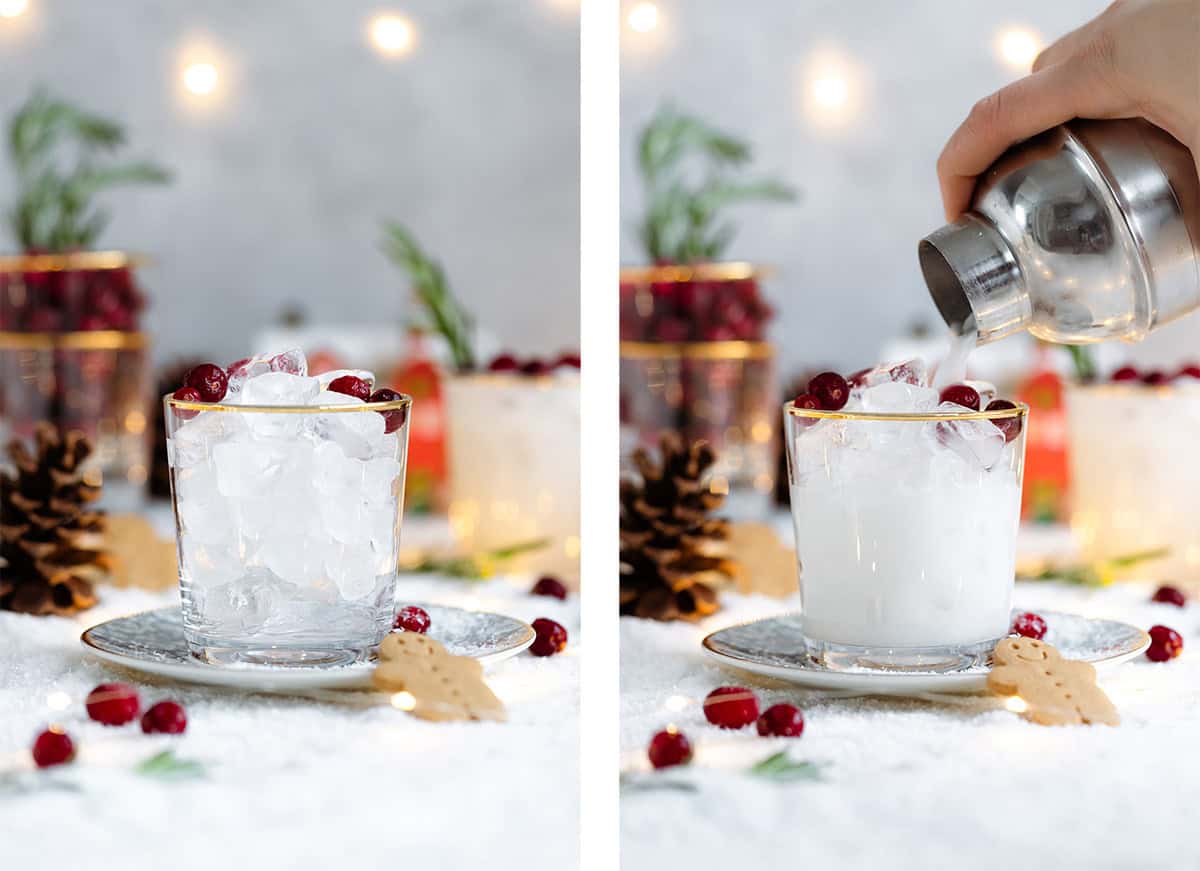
x=71, y=354
x=508, y=478
x=905, y=529
x=288, y=523
x=1133, y=487
x=694, y=360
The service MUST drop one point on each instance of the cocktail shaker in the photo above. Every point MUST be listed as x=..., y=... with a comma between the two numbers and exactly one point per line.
x=1088, y=232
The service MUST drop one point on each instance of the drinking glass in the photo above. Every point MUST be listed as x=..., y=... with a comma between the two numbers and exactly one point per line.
x=906, y=529
x=288, y=526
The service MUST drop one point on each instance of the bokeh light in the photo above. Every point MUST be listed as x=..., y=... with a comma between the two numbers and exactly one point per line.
x=832, y=89
x=13, y=8
x=200, y=78
x=392, y=35
x=1018, y=48
x=643, y=17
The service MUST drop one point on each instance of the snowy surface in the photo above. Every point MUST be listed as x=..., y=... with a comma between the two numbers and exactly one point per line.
x=912, y=784
x=291, y=783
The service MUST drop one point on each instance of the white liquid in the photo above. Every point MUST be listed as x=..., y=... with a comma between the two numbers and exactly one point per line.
x=907, y=565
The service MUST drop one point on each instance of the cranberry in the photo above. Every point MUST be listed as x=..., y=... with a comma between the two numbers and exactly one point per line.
x=351, y=385
x=783, y=720
x=672, y=330
x=166, y=717
x=504, y=363
x=807, y=400
x=393, y=419
x=209, y=379
x=731, y=707
x=113, y=704
x=1010, y=426
x=1190, y=371
x=186, y=394
x=91, y=323
x=1156, y=378
x=720, y=333
x=1169, y=595
x=549, y=586
x=669, y=747
x=859, y=378
x=961, y=394
x=536, y=367
x=569, y=361
x=53, y=747
x=551, y=638
x=1029, y=625
x=410, y=618
x=1126, y=373
x=831, y=390
x=1165, y=644
x=238, y=367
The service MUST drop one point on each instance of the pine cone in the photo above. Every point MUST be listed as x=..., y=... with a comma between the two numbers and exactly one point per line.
x=672, y=556
x=51, y=541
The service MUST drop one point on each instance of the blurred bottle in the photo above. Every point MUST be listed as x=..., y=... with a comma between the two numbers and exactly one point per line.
x=417, y=375
x=1047, y=475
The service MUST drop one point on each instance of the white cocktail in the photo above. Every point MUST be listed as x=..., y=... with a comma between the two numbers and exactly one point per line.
x=906, y=514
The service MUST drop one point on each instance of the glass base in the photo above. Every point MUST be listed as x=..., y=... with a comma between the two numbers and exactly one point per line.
x=287, y=657
x=949, y=658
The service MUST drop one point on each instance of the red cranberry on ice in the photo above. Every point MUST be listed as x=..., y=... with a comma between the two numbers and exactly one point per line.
x=186, y=394
x=535, y=367
x=166, y=717
x=1127, y=373
x=550, y=637
x=503, y=363
x=548, y=586
x=781, y=720
x=1189, y=371
x=1156, y=378
x=1029, y=625
x=351, y=385
x=209, y=380
x=410, y=618
x=393, y=419
x=568, y=360
x=831, y=390
x=1010, y=426
x=961, y=394
x=1169, y=595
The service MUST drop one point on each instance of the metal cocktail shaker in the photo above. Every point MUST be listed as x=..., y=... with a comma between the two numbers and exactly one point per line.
x=1088, y=232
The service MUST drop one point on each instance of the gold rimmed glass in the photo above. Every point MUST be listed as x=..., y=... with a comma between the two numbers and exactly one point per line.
x=905, y=529
x=512, y=441
x=288, y=524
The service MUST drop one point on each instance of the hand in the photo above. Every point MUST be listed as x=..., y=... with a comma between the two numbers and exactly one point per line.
x=1138, y=59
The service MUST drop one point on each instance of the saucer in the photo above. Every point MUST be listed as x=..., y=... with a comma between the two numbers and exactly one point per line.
x=153, y=642
x=772, y=647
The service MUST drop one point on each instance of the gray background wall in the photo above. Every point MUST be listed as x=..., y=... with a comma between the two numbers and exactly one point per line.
x=848, y=276
x=473, y=139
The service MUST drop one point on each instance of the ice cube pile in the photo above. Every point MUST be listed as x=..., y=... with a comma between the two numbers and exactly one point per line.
x=284, y=514
x=955, y=450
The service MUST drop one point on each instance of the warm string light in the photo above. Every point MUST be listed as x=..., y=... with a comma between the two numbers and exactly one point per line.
x=1018, y=48
x=643, y=17
x=1016, y=704
x=392, y=35
x=404, y=701
x=200, y=78
x=832, y=89
x=13, y=8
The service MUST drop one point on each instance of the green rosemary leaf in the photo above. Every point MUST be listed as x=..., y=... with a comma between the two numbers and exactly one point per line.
x=779, y=767
x=1084, y=362
x=446, y=314
x=167, y=766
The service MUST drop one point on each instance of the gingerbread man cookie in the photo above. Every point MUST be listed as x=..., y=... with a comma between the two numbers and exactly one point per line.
x=1056, y=691
x=442, y=686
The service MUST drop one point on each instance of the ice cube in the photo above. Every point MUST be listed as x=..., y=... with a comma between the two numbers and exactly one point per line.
x=891, y=397
x=358, y=433
x=909, y=372
x=353, y=568
x=291, y=361
x=327, y=378
x=979, y=442
x=249, y=469
x=193, y=442
x=203, y=511
x=381, y=476
x=242, y=370
x=279, y=388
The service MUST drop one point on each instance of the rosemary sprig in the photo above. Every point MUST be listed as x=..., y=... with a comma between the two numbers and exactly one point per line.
x=781, y=768
x=1083, y=361
x=59, y=152
x=474, y=566
x=167, y=766
x=445, y=313
x=682, y=221
x=1100, y=573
